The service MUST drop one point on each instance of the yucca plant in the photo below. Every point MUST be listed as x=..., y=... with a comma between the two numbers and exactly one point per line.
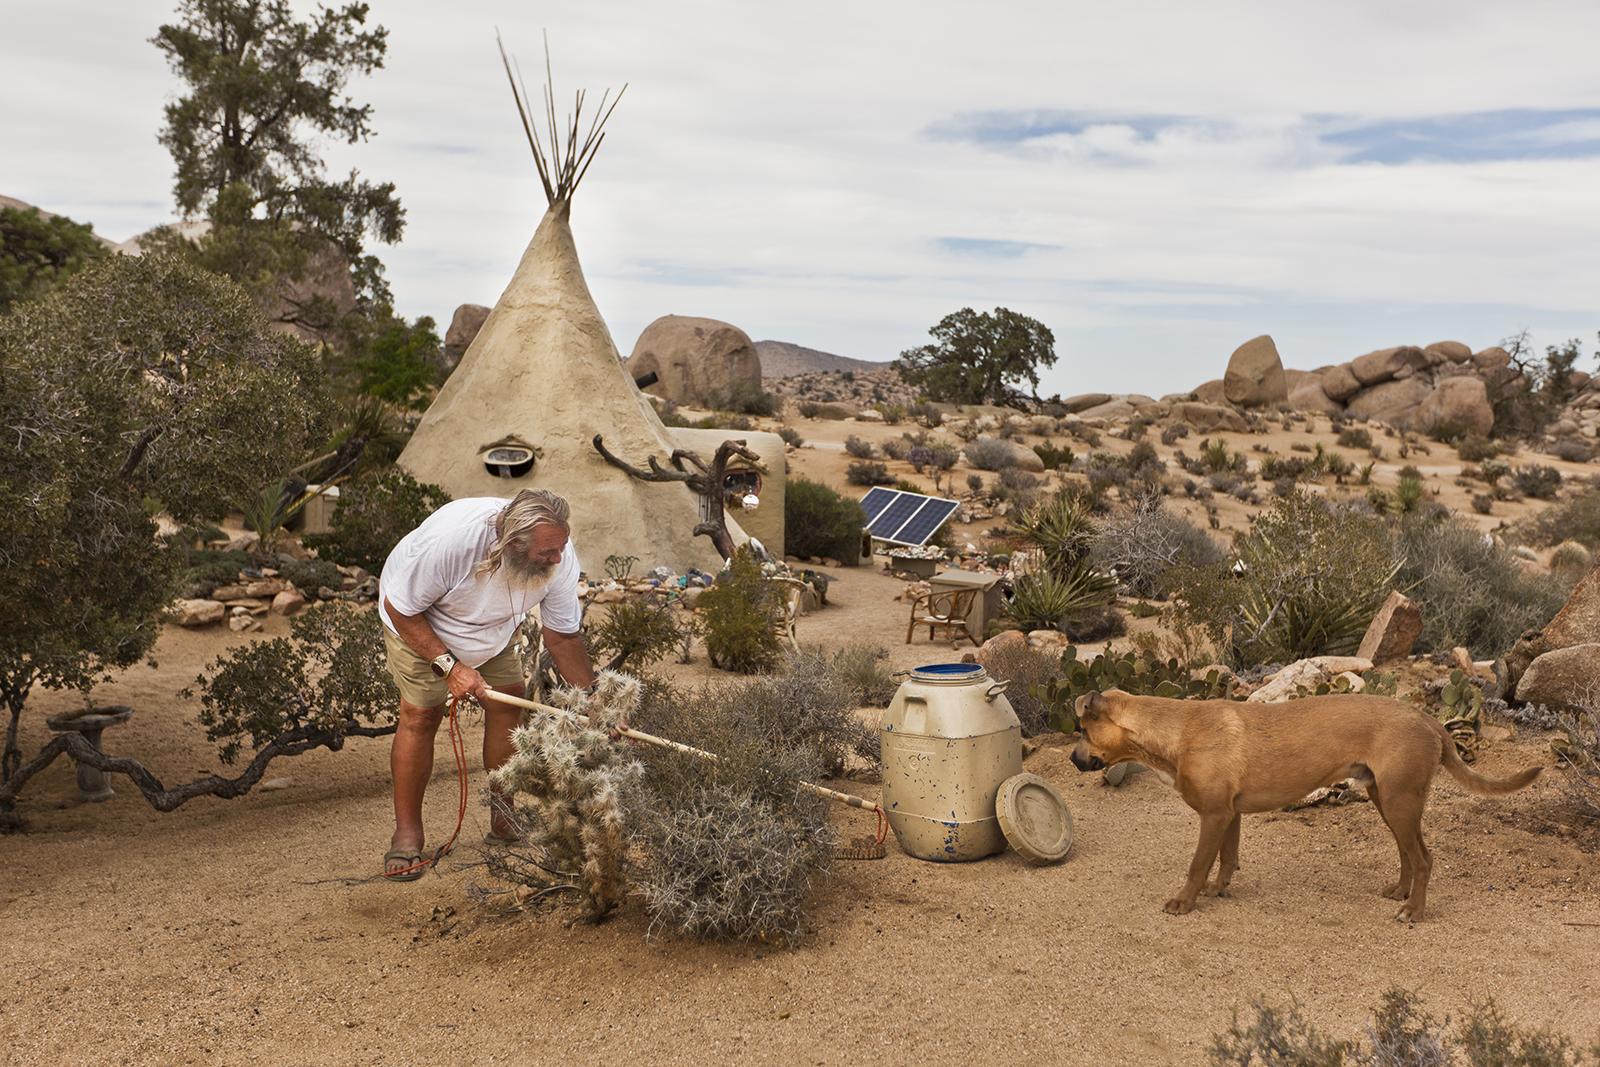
x=1048, y=599
x=1059, y=527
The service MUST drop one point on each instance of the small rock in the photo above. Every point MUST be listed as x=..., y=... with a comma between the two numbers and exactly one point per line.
x=829, y=561
x=1048, y=641
x=1393, y=630
x=272, y=785
x=196, y=612
x=288, y=602
x=1307, y=672
x=226, y=593
x=243, y=624
x=869, y=415
x=267, y=587
x=1561, y=677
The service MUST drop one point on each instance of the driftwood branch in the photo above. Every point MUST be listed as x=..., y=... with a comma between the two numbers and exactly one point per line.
x=77, y=748
x=705, y=480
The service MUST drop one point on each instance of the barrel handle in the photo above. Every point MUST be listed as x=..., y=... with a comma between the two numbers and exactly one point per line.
x=995, y=690
x=918, y=706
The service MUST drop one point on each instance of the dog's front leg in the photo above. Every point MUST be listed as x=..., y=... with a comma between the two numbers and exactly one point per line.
x=1213, y=829
x=1228, y=862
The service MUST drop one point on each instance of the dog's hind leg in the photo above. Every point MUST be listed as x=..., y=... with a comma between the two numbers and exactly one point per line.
x=1227, y=860
x=1400, y=889
x=1405, y=819
x=1213, y=829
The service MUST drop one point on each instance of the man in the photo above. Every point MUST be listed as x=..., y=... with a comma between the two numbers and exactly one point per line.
x=451, y=596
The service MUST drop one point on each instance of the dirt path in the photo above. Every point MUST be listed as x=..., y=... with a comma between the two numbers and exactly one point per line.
x=194, y=937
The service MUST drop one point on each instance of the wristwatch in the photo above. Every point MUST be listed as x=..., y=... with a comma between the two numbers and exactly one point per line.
x=443, y=664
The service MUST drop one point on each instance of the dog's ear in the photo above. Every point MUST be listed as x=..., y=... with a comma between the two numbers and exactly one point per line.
x=1087, y=707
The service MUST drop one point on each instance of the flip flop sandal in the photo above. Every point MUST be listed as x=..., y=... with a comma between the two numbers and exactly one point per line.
x=412, y=858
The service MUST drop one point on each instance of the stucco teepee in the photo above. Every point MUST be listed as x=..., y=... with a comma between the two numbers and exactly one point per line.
x=544, y=371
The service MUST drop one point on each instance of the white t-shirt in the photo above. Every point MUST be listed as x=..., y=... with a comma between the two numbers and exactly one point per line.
x=430, y=573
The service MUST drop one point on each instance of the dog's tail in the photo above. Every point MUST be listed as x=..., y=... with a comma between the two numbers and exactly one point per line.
x=1470, y=778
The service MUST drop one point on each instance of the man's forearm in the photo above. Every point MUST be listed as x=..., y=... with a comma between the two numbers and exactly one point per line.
x=571, y=657
x=416, y=633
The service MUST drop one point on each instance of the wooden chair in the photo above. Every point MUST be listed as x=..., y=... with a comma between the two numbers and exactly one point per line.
x=793, y=591
x=946, y=610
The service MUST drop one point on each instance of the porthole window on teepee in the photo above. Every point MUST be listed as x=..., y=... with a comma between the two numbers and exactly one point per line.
x=509, y=458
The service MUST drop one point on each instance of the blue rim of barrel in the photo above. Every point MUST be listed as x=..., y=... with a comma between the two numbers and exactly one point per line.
x=948, y=672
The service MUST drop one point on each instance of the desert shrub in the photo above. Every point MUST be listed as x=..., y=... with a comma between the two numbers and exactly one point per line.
x=1399, y=1034
x=810, y=409
x=1052, y=599
x=896, y=448
x=1355, y=437
x=1306, y=581
x=936, y=457
x=990, y=454
x=1216, y=456
x=1052, y=457
x=1570, y=560
x=1098, y=623
x=860, y=667
x=1024, y=669
x=927, y=414
x=1580, y=758
x=741, y=613
x=1536, y=480
x=1171, y=435
x=1472, y=592
x=1143, y=543
x=868, y=472
x=1017, y=480
x=746, y=398
x=1482, y=503
x=791, y=436
x=1060, y=527
x=819, y=521
x=859, y=448
x=201, y=570
x=309, y=574
x=1142, y=672
x=374, y=513
x=975, y=483
x=1575, y=519
x=1475, y=448
x=1408, y=493
x=634, y=633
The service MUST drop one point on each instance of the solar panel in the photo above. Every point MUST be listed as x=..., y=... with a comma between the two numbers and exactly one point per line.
x=891, y=518
x=905, y=518
x=929, y=517
x=876, y=500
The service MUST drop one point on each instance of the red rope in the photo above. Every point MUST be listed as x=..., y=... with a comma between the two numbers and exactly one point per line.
x=458, y=748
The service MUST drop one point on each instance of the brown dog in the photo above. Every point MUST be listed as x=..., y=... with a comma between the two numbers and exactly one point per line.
x=1226, y=758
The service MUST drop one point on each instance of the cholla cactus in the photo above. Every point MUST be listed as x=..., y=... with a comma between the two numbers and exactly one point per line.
x=569, y=781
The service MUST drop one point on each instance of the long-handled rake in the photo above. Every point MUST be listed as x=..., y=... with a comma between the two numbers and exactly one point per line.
x=860, y=848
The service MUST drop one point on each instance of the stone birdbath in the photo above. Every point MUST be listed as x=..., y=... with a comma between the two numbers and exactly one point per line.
x=90, y=722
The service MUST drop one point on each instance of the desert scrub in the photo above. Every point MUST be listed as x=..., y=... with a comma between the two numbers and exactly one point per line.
x=1024, y=669
x=1055, y=599
x=859, y=448
x=791, y=437
x=1472, y=592
x=1052, y=457
x=990, y=454
x=1060, y=527
x=1143, y=542
x=860, y=667
x=374, y=513
x=1574, y=519
x=1399, y=1034
x=818, y=521
x=635, y=633
x=868, y=472
x=1355, y=437
x=1579, y=751
x=1537, y=480
x=741, y=615
x=1305, y=581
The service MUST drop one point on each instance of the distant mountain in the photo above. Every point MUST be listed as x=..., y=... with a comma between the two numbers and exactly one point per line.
x=780, y=359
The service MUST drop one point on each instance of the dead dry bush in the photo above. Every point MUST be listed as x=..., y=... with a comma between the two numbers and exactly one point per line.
x=1023, y=668
x=1399, y=1034
x=1580, y=759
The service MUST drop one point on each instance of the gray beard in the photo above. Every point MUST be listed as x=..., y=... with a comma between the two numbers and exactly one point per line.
x=520, y=574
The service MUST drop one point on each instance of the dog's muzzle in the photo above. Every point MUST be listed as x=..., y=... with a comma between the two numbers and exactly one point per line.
x=1086, y=762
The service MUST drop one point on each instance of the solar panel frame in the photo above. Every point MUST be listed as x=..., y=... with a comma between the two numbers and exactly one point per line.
x=901, y=518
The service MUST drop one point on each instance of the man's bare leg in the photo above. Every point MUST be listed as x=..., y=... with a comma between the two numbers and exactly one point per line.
x=498, y=722
x=411, y=765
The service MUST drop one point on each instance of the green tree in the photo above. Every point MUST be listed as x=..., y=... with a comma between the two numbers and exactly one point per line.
x=140, y=384
x=980, y=357
x=36, y=252
x=262, y=89
x=399, y=362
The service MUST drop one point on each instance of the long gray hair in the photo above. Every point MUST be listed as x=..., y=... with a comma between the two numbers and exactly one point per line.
x=529, y=508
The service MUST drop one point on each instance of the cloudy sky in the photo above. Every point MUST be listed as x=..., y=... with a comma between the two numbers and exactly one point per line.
x=1156, y=182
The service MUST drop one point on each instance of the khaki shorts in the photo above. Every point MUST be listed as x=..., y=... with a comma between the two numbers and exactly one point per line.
x=424, y=689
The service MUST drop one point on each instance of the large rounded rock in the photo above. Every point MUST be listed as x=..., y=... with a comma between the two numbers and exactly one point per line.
x=1084, y=401
x=1208, y=418
x=1562, y=677
x=1255, y=375
x=1459, y=404
x=1387, y=363
x=1391, y=402
x=1578, y=621
x=1212, y=392
x=701, y=362
x=464, y=326
x=1310, y=396
x=1454, y=351
x=1492, y=358
x=1340, y=383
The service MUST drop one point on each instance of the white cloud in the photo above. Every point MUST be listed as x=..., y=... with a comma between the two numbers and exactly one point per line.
x=774, y=166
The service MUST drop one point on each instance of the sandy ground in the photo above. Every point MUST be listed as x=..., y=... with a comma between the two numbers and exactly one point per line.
x=209, y=936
